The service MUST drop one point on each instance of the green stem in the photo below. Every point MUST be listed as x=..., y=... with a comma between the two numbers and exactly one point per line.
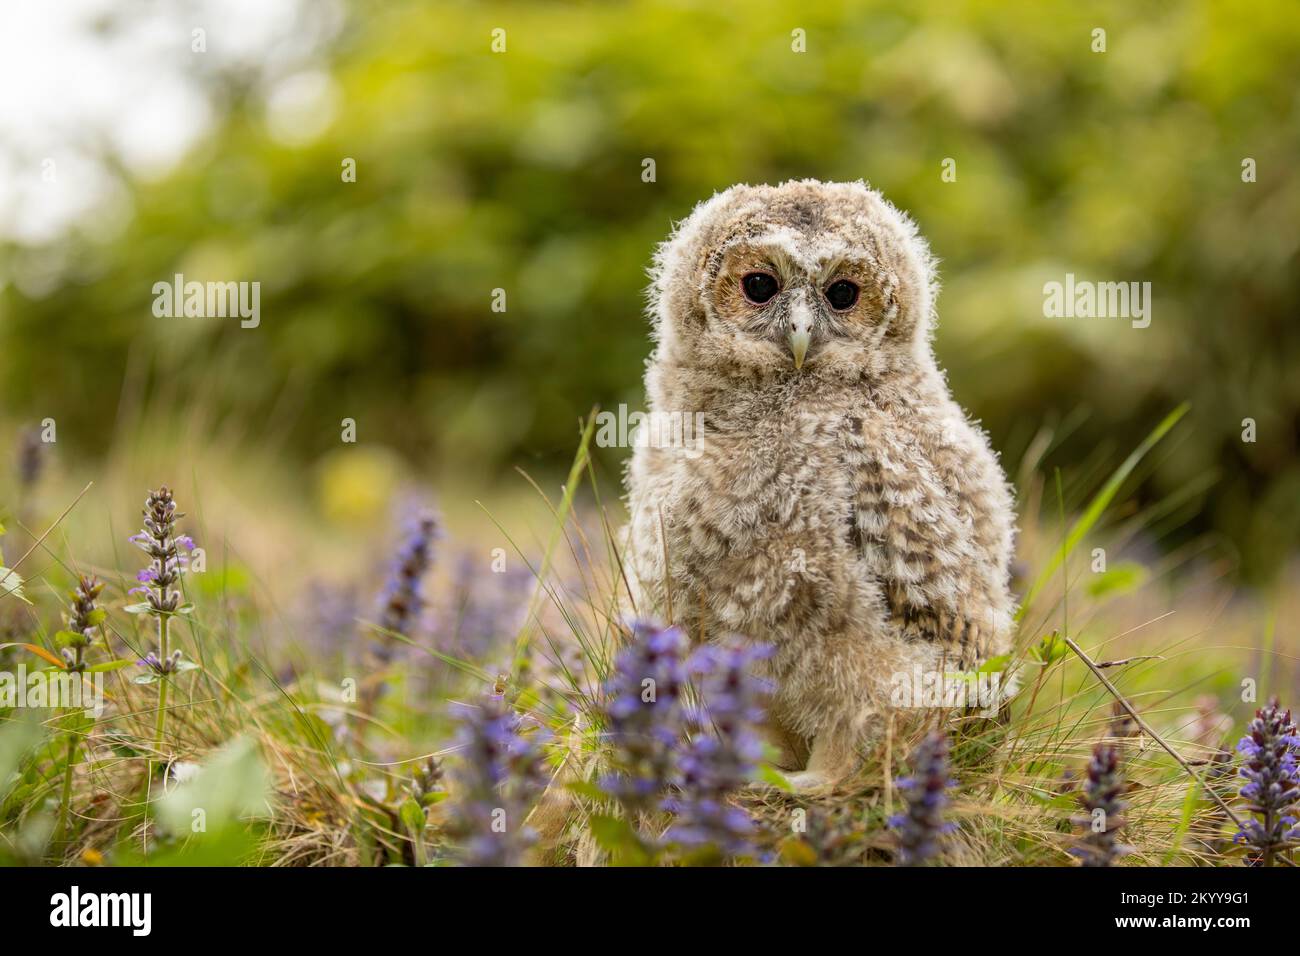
x=66, y=801
x=163, y=682
x=421, y=855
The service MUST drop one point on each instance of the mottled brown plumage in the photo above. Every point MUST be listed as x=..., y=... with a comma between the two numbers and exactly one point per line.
x=847, y=511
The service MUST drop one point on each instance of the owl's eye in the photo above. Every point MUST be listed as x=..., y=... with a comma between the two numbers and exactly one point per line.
x=842, y=294
x=760, y=287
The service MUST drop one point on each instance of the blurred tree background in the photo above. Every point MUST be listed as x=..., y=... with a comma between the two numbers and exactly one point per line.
x=522, y=170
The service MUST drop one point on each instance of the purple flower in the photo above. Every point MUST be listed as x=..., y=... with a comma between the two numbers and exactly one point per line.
x=921, y=825
x=724, y=751
x=158, y=540
x=160, y=585
x=690, y=761
x=643, y=715
x=489, y=607
x=161, y=666
x=1271, y=790
x=82, y=618
x=31, y=457
x=1104, y=809
x=500, y=774
x=328, y=612
x=402, y=598
x=426, y=781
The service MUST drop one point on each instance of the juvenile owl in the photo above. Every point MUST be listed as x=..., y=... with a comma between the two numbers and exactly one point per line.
x=836, y=504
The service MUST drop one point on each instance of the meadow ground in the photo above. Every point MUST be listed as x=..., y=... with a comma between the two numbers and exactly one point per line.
x=333, y=701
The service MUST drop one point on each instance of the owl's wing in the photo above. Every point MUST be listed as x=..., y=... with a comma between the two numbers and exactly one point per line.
x=931, y=517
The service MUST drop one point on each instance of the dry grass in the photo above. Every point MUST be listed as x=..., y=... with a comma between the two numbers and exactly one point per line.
x=335, y=776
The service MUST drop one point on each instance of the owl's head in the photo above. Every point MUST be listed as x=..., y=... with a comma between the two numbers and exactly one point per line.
x=823, y=278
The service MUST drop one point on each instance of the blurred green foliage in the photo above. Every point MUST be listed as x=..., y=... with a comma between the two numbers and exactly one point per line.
x=522, y=170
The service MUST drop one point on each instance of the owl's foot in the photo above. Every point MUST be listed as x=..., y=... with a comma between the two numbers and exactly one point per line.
x=833, y=760
x=810, y=781
x=802, y=782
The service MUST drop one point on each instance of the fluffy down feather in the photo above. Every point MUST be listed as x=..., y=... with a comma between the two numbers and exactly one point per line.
x=847, y=512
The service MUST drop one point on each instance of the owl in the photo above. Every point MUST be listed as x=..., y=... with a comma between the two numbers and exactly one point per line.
x=833, y=501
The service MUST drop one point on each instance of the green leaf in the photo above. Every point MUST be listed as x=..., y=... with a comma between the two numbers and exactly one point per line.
x=97, y=616
x=232, y=785
x=412, y=815
x=585, y=788
x=17, y=738
x=1050, y=649
x=149, y=678
x=109, y=666
x=995, y=665
x=70, y=639
x=1124, y=577
x=614, y=834
x=770, y=774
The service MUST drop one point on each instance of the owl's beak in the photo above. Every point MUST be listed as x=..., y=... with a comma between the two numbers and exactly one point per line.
x=800, y=337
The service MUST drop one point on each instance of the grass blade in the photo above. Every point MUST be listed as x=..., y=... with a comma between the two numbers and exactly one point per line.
x=1097, y=507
